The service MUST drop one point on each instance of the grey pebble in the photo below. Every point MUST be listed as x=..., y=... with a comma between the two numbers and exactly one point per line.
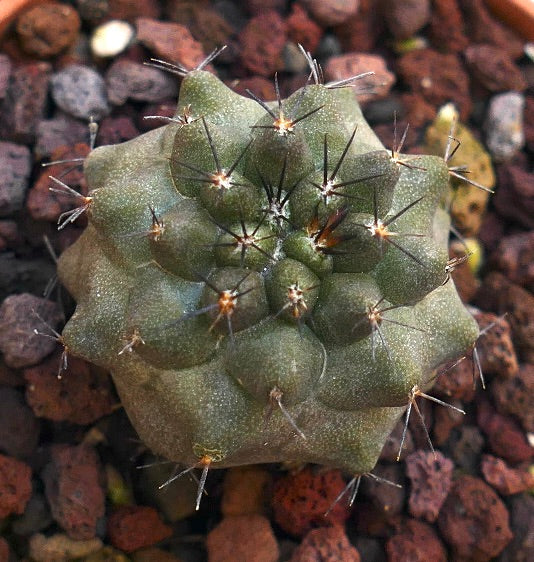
x=127, y=79
x=5, y=72
x=15, y=168
x=505, y=134
x=21, y=346
x=80, y=92
x=61, y=130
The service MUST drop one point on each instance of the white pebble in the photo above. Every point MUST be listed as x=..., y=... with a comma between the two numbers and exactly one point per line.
x=111, y=38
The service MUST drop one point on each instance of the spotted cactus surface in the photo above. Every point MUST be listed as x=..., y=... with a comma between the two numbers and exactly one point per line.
x=265, y=282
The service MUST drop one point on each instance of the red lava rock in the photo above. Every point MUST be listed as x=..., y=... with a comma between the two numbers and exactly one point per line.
x=301, y=29
x=126, y=79
x=418, y=111
x=521, y=548
x=212, y=30
x=483, y=28
x=331, y=12
x=15, y=486
x=166, y=108
x=114, y=130
x=327, y=544
x=405, y=18
x=494, y=69
x=464, y=279
x=516, y=396
x=514, y=256
x=445, y=420
x=387, y=498
x=25, y=101
x=133, y=527
x=47, y=29
x=130, y=10
x=43, y=204
x=446, y=27
x=242, y=537
x=430, y=476
x=392, y=444
x=81, y=396
x=465, y=445
x=499, y=295
x=10, y=236
x=529, y=122
x=495, y=348
x=352, y=64
x=4, y=550
x=18, y=342
x=415, y=541
x=386, y=133
x=437, y=77
x=417, y=427
x=15, y=168
x=262, y=42
x=73, y=486
x=258, y=85
x=170, y=41
x=505, y=437
x=515, y=197
x=301, y=499
x=474, y=521
x=19, y=429
x=504, y=479
x=361, y=31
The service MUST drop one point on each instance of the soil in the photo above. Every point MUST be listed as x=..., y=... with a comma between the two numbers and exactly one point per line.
x=70, y=482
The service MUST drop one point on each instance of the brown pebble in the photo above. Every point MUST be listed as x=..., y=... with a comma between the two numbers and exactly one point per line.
x=130, y=10
x=474, y=521
x=15, y=486
x=18, y=342
x=405, y=18
x=352, y=64
x=48, y=29
x=331, y=12
x=242, y=537
x=387, y=494
x=327, y=544
x=245, y=491
x=74, y=490
x=415, y=541
x=133, y=527
x=262, y=42
x=494, y=69
x=430, y=475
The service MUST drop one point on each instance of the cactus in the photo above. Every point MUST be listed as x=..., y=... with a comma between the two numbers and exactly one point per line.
x=265, y=281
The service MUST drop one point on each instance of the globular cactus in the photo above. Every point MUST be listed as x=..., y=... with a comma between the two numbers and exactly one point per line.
x=265, y=281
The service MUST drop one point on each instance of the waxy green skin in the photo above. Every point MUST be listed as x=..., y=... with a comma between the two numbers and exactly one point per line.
x=194, y=392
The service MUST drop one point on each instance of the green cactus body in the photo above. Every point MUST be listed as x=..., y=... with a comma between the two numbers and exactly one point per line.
x=264, y=288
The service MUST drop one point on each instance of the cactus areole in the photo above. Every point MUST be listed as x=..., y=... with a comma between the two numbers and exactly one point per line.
x=265, y=281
